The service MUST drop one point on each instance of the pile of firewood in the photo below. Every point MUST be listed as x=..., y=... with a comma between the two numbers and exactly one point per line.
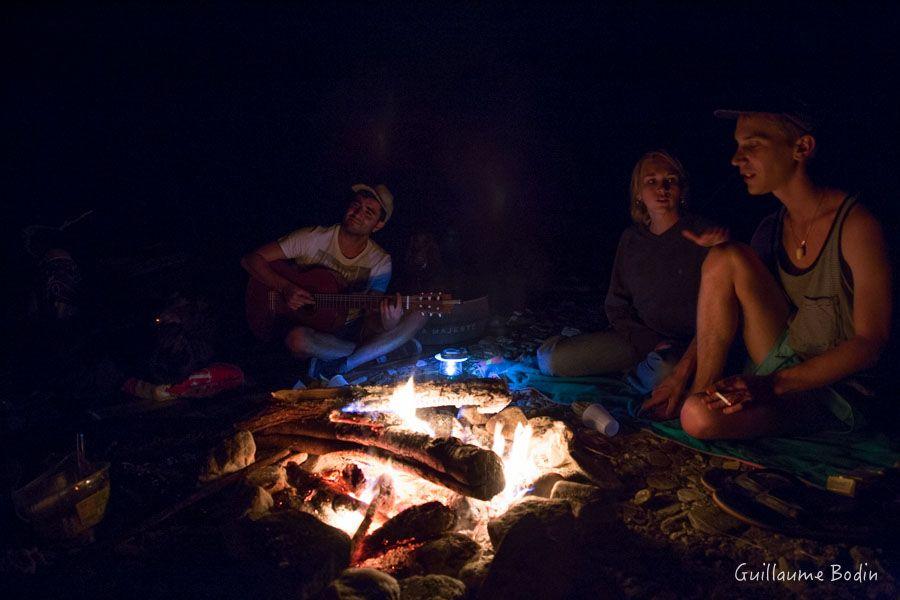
x=357, y=421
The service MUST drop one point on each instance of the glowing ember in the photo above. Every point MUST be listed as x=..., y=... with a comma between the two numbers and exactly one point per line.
x=403, y=404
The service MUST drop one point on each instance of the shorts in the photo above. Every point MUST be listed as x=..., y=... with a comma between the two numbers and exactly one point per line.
x=843, y=405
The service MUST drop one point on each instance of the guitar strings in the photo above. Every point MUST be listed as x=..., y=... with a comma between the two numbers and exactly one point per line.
x=359, y=300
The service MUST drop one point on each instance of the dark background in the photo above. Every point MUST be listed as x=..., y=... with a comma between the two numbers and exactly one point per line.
x=509, y=130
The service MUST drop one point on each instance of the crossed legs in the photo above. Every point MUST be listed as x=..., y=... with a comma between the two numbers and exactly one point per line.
x=387, y=341
x=304, y=342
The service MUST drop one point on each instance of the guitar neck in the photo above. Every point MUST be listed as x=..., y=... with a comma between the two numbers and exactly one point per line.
x=353, y=300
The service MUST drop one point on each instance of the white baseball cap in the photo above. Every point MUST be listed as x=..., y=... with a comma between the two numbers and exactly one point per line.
x=380, y=192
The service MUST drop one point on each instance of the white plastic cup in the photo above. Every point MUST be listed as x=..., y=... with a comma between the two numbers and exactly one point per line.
x=596, y=416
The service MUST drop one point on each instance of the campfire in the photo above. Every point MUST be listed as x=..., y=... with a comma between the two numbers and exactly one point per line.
x=369, y=460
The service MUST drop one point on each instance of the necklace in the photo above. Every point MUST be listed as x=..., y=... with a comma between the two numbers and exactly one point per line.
x=800, y=252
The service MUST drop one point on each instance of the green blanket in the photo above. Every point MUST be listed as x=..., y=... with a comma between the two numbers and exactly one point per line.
x=810, y=457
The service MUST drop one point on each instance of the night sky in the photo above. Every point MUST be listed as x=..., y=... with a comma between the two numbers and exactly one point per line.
x=220, y=126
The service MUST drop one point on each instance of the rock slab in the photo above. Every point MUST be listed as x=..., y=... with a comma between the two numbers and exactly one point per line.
x=363, y=584
x=232, y=454
x=537, y=556
x=291, y=550
x=446, y=555
x=552, y=515
x=432, y=587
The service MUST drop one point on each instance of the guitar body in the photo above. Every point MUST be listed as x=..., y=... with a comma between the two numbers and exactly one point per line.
x=268, y=315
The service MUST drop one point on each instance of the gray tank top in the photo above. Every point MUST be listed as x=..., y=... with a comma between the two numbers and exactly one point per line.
x=821, y=293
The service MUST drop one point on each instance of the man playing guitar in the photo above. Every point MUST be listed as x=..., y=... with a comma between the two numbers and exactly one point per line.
x=365, y=269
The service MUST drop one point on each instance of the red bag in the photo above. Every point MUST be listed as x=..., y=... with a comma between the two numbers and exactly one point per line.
x=208, y=382
x=205, y=383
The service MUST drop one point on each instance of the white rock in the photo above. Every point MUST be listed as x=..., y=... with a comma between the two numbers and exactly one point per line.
x=233, y=454
x=260, y=502
x=471, y=416
x=508, y=418
x=272, y=478
x=550, y=440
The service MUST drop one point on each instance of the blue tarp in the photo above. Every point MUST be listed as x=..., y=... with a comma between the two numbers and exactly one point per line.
x=811, y=457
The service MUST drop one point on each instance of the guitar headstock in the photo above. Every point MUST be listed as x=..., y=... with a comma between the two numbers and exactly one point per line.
x=433, y=304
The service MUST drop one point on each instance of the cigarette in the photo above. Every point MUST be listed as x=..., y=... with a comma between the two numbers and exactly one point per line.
x=722, y=397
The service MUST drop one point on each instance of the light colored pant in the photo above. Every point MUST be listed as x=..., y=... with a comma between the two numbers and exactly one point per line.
x=599, y=353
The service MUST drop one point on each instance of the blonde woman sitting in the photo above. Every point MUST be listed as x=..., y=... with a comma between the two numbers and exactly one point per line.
x=652, y=299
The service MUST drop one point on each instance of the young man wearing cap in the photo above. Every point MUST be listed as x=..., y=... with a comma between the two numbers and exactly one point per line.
x=814, y=321
x=348, y=249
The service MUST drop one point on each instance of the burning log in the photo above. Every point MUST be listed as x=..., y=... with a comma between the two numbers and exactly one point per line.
x=282, y=413
x=478, y=469
x=489, y=395
x=415, y=524
x=320, y=446
x=320, y=492
x=374, y=420
x=303, y=444
x=384, y=498
x=441, y=422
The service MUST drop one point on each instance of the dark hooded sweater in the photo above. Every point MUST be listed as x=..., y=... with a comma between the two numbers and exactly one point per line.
x=655, y=280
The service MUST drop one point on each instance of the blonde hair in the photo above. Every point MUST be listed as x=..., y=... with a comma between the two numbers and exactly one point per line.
x=637, y=209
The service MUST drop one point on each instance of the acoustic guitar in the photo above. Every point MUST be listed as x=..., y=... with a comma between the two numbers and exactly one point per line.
x=267, y=312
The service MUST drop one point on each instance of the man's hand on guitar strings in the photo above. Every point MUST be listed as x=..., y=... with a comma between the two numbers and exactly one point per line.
x=295, y=297
x=391, y=312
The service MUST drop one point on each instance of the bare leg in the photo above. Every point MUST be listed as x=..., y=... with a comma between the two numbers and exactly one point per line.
x=387, y=341
x=789, y=414
x=735, y=285
x=304, y=342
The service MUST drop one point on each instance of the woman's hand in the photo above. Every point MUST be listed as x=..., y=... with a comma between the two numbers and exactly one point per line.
x=391, y=312
x=734, y=394
x=665, y=401
x=708, y=237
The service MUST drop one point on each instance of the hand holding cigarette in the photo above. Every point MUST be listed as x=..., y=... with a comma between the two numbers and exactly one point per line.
x=722, y=397
x=716, y=400
x=738, y=392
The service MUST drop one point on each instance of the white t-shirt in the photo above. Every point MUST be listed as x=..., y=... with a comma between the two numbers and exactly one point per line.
x=369, y=270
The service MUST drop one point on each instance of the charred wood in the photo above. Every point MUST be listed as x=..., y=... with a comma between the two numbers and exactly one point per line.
x=474, y=467
x=416, y=524
x=321, y=492
x=320, y=446
x=282, y=413
x=383, y=500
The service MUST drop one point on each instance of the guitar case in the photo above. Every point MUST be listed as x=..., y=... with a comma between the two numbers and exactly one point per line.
x=467, y=322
